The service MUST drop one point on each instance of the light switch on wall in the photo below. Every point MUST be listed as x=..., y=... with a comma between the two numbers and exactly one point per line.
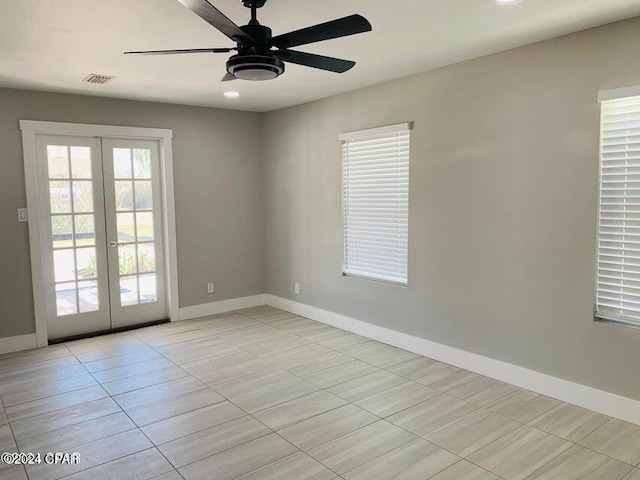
x=296, y=288
x=23, y=216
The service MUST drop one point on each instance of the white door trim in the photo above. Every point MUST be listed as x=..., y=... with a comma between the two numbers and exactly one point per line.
x=164, y=137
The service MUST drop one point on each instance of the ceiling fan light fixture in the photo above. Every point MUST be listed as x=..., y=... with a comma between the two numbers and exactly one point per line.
x=255, y=67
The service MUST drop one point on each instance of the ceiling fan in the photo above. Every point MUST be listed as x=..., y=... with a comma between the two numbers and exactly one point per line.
x=261, y=56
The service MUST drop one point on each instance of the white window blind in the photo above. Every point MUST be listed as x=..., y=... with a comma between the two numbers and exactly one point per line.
x=618, y=262
x=376, y=203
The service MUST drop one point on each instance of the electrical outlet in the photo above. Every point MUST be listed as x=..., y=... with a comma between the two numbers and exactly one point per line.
x=211, y=288
x=296, y=288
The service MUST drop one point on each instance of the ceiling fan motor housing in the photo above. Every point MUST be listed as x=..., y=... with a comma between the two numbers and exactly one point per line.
x=255, y=67
x=254, y=3
x=254, y=61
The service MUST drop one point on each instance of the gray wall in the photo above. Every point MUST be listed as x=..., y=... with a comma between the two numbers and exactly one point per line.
x=217, y=190
x=503, y=195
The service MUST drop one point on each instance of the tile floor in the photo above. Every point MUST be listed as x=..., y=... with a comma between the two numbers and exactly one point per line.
x=262, y=394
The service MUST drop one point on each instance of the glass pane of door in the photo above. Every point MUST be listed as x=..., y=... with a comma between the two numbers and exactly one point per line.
x=71, y=194
x=133, y=206
x=71, y=185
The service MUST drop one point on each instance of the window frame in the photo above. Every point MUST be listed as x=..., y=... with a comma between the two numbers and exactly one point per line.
x=604, y=96
x=360, y=135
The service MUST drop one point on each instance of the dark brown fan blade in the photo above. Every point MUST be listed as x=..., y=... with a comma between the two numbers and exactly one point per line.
x=228, y=77
x=191, y=50
x=342, y=27
x=315, y=61
x=215, y=17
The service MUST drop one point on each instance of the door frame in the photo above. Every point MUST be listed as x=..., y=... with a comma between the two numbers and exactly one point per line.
x=30, y=129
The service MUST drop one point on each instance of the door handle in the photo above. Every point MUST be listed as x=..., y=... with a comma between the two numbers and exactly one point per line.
x=113, y=244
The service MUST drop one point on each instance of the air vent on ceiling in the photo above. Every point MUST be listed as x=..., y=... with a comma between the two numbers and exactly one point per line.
x=99, y=79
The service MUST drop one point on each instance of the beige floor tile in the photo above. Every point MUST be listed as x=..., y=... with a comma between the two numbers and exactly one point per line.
x=261, y=311
x=3, y=417
x=320, y=333
x=396, y=399
x=578, y=463
x=62, y=418
x=154, y=393
x=472, y=432
x=182, y=337
x=340, y=374
x=36, y=355
x=633, y=475
x=228, y=368
x=41, y=406
x=192, y=422
x=21, y=392
x=141, y=355
x=14, y=472
x=318, y=364
x=415, y=368
x=261, y=333
x=252, y=382
x=202, y=444
x=414, y=460
x=94, y=454
x=379, y=354
x=108, y=348
x=523, y=405
x=299, y=409
x=278, y=344
x=298, y=466
x=172, y=406
x=247, y=333
x=145, y=465
x=357, y=448
x=241, y=460
x=519, y=453
x=429, y=416
x=59, y=368
x=132, y=370
x=172, y=475
x=616, y=439
x=199, y=352
x=7, y=443
x=292, y=324
x=464, y=470
x=328, y=426
x=272, y=394
x=345, y=340
x=569, y=422
x=297, y=355
x=482, y=392
x=444, y=377
x=137, y=382
x=66, y=438
x=366, y=386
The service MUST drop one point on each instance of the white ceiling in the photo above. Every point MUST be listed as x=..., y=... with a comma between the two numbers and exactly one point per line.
x=53, y=44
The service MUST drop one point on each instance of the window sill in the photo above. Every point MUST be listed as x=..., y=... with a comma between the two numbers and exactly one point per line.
x=617, y=322
x=376, y=280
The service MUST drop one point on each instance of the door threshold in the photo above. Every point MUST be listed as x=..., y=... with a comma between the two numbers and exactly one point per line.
x=102, y=333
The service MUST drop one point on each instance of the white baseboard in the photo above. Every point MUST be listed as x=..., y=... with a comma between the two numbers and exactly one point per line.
x=223, y=306
x=18, y=343
x=591, y=398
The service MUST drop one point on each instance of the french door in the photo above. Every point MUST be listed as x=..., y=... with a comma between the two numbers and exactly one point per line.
x=103, y=250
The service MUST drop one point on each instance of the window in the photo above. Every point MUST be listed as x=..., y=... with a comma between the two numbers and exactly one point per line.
x=618, y=262
x=375, y=166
